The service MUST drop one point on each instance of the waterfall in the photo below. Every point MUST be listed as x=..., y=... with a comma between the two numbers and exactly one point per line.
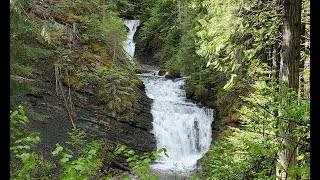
x=129, y=45
x=180, y=126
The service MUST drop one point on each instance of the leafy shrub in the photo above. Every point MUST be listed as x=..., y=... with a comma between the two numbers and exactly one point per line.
x=202, y=86
x=252, y=152
x=140, y=164
x=81, y=168
x=24, y=162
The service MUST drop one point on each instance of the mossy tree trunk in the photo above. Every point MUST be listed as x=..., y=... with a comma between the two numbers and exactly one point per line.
x=289, y=72
x=302, y=64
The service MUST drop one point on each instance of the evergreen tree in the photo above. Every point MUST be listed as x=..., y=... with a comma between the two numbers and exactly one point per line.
x=289, y=73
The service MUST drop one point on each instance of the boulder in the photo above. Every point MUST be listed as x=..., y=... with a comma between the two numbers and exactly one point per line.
x=162, y=72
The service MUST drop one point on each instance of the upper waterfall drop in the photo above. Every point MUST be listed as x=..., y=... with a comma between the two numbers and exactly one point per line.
x=129, y=45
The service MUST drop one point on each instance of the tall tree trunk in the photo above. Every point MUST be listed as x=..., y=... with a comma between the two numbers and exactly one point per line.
x=276, y=62
x=276, y=47
x=114, y=52
x=275, y=66
x=289, y=72
x=303, y=48
x=270, y=57
x=306, y=78
x=179, y=11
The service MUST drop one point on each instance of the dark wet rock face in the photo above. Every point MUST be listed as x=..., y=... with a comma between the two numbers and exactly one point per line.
x=141, y=71
x=132, y=128
x=129, y=128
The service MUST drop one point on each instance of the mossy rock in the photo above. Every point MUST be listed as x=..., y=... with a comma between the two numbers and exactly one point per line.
x=141, y=71
x=173, y=75
x=162, y=72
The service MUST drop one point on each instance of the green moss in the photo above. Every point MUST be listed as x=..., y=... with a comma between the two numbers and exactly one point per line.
x=116, y=89
x=114, y=86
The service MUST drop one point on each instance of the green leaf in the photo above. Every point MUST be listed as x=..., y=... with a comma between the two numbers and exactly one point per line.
x=92, y=152
x=57, y=150
x=131, y=152
x=147, y=161
x=120, y=149
x=132, y=164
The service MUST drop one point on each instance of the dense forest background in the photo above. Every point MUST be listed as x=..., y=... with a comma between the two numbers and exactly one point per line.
x=248, y=59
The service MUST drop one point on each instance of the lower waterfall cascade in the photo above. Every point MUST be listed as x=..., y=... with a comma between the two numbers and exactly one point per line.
x=179, y=125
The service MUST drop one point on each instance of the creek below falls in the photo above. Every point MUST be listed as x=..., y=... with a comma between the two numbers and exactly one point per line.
x=179, y=125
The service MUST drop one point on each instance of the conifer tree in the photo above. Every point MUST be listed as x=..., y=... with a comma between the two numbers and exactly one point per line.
x=289, y=73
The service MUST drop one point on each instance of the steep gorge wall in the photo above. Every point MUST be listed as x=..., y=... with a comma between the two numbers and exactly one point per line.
x=131, y=127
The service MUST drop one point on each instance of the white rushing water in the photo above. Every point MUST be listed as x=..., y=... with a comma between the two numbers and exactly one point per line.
x=180, y=126
x=129, y=45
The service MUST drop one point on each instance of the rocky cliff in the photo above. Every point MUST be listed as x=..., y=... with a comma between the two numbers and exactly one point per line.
x=129, y=128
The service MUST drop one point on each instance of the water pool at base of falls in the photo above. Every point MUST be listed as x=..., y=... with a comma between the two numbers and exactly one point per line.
x=179, y=125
